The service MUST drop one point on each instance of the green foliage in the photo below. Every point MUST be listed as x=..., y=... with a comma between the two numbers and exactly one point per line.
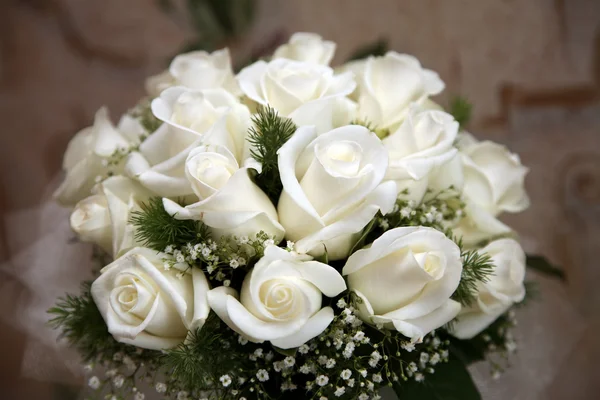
x=143, y=112
x=82, y=325
x=541, y=264
x=207, y=354
x=214, y=21
x=477, y=267
x=377, y=48
x=461, y=110
x=269, y=133
x=156, y=229
x=451, y=381
x=380, y=132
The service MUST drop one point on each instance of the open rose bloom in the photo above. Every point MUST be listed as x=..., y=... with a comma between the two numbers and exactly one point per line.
x=292, y=231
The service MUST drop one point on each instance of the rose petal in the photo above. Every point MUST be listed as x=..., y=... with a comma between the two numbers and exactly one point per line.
x=313, y=327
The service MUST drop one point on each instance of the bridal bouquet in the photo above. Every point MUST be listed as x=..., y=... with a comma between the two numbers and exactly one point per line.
x=292, y=231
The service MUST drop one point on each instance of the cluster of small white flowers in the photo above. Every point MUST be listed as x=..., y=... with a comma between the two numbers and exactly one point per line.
x=220, y=258
x=432, y=212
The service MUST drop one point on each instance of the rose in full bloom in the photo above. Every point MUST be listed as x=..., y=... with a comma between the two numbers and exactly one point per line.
x=188, y=115
x=197, y=70
x=309, y=94
x=88, y=152
x=332, y=187
x=103, y=218
x=493, y=183
x=504, y=288
x=405, y=280
x=494, y=177
x=307, y=47
x=147, y=306
x=280, y=300
x=422, y=143
x=218, y=173
x=388, y=85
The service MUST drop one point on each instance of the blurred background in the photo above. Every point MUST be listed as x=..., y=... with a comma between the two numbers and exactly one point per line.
x=531, y=68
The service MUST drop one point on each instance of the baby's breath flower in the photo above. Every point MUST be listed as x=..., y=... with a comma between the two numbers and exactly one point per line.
x=160, y=387
x=341, y=303
x=262, y=375
x=182, y=395
x=339, y=391
x=118, y=381
x=377, y=378
x=289, y=361
x=304, y=349
x=346, y=374
x=363, y=396
x=94, y=382
x=322, y=380
x=305, y=369
x=419, y=377
x=408, y=346
x=330, y=363
x=225, y=380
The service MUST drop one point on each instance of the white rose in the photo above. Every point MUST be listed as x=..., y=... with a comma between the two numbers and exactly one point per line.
x=147, y=306
x=307, y=47
x=230, y=202
x=405, y=280
x=332, y=187
x=504, y=288
x=196, y=70
x=91, y=221
x=389, y=84
x=280, y=300
x=421, y=143
x=218, y=173
x=87, y=153
x=188, y=115
x=309, y=94
x=478, y=225
x=104, y=217
x=494, y=177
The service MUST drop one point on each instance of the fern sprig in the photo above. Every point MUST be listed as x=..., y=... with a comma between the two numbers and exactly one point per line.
x=82, y=325
x=269, y=133
x=477, y=267
x=156, y=229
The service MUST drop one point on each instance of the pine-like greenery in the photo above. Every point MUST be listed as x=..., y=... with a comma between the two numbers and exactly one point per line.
x=477, y=268
x=380, y=132
x=461, y=110
x=269, y=133
x=143, y=113
x=82, y=325
x=156, y=229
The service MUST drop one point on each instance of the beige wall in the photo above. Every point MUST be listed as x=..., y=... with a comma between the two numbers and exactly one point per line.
x=531, y=67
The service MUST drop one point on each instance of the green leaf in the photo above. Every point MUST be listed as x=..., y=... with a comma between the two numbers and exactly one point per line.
x=451, y=381
x=541, y=264
x=363, y=237
x=461, y=110
x=378, y=48
x=468, y=351
x=286, y=352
